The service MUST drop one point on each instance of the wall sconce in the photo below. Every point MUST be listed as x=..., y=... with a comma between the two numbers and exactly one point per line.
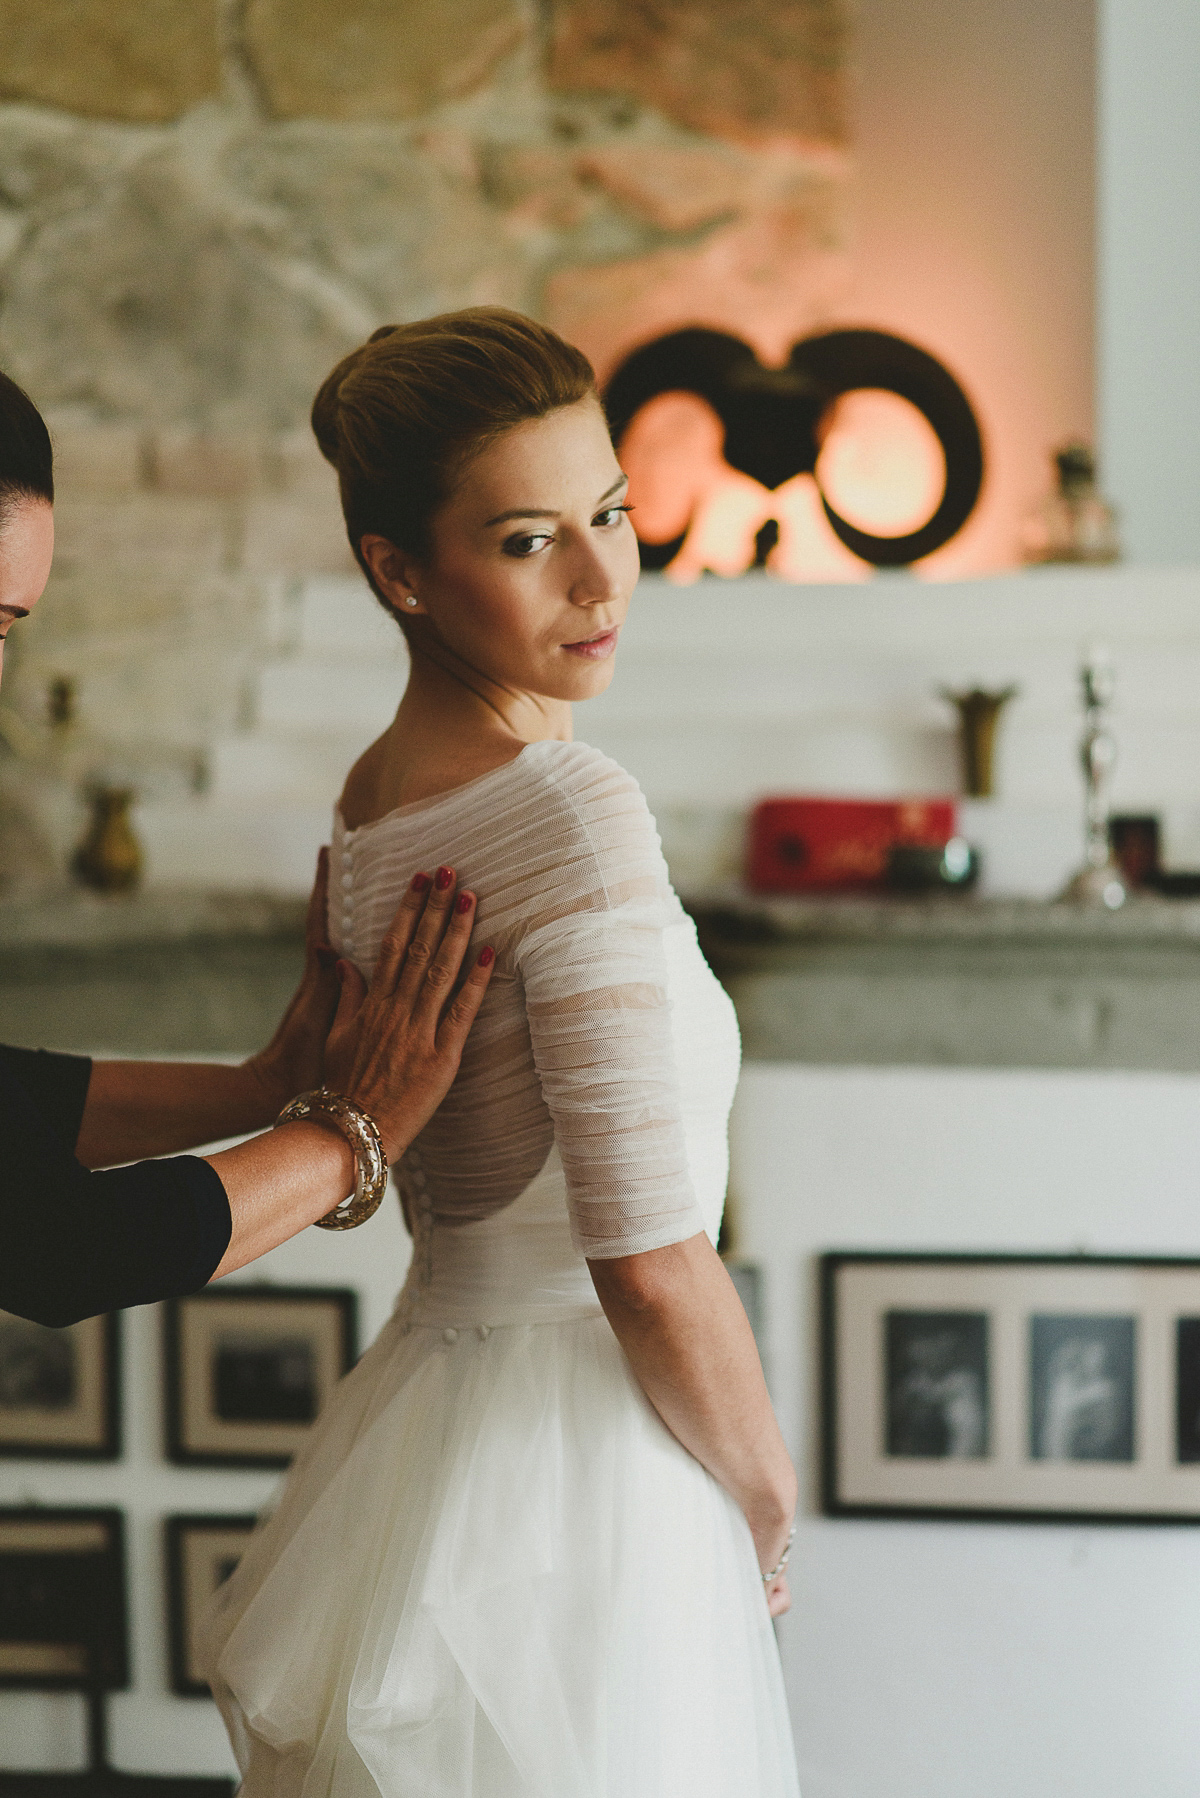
x=733, y=464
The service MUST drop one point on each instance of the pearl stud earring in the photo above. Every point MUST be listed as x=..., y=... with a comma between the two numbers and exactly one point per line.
x=410, y=599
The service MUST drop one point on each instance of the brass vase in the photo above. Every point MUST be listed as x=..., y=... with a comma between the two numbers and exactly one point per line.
x=109, y=859
x=978, y=716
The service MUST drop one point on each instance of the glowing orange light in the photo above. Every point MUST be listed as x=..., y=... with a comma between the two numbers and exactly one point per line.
x=881, y=466
x=679, y=482
x=672, y=455
x=807, y=549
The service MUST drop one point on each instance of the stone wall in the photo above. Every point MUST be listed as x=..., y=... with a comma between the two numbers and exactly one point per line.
x=203, y=203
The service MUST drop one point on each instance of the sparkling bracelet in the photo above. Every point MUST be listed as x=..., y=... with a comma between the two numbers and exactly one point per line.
x=782, y=1562
x=370, y=1162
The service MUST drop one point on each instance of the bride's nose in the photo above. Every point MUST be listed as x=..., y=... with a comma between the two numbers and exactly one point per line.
x=595, y=578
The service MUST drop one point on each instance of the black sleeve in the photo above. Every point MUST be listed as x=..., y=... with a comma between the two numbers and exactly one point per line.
x=75, y=1243
x=57, y=1084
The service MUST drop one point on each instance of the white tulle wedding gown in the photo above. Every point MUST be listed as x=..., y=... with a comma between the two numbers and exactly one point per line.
x=494, y=1573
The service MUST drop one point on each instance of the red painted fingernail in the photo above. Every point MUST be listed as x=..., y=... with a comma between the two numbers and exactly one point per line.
x=487, y=956
x=464, y=902
x=445, y=878
x=420, y=882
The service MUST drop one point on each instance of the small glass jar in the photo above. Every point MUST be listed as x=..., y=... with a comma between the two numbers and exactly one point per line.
x=1073, y=524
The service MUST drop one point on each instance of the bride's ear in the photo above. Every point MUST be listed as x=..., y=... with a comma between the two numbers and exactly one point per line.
x=396, y=574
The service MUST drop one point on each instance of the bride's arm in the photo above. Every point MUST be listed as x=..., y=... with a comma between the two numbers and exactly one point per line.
x=593, y=962
x=680, y=1322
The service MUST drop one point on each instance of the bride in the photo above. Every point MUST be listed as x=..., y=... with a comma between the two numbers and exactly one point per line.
x=535, y=1542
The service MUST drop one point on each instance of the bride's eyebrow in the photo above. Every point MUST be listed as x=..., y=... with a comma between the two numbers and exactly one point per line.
x=545, y=512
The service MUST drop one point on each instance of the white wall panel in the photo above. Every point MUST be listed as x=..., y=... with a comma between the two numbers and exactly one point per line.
x=929, y=1660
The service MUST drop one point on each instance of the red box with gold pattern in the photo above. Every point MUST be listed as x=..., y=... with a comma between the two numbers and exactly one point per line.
x=805, y=845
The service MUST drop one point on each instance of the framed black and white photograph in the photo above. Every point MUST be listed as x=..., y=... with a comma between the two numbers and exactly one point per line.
x=62, y=1599
x=1023, y=1386
x=60, y=1389
x=248, y=1369
x=202, y=1552
x=937, y=1384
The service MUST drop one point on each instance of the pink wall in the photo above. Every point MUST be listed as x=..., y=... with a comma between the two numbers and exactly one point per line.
x=974, y=145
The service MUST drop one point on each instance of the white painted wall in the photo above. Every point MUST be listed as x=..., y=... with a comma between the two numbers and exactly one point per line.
x=967, y=1660
x=1148, y=286
x=730, y=690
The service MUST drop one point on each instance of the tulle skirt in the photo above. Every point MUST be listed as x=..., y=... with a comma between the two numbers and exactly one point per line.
x=494, y=1573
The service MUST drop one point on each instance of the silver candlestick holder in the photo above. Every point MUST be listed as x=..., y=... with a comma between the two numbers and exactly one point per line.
x=1099, y=881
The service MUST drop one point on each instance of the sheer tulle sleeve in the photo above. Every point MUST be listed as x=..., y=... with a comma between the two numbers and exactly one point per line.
x=593, y=964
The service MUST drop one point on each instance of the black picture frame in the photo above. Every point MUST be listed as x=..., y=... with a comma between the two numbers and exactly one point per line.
x=1023, y=1388
x=199, y=1547
x=63, y=1617
x=60, y=1390
x=249, y=1367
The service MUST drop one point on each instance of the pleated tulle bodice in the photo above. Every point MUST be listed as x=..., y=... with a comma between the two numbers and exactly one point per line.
x=604, y=1040
x=517, y=1266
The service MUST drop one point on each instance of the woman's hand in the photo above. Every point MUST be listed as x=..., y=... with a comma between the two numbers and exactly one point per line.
x=293, y=1060
x=142, y=1108
x=779, y=1599
x=394, y=1049
x=771, y=1541
x=395, y=1045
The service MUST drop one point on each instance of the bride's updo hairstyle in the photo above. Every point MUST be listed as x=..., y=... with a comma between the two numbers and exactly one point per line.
x=402, y=417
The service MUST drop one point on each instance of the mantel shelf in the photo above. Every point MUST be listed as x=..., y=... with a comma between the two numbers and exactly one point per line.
x=734, y=916
x=871, y=980
x=70, y=919
x=67, y=918
x=958, y=982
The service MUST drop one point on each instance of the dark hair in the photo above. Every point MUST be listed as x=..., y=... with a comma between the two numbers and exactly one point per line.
x=26, y=458
x=401, y=417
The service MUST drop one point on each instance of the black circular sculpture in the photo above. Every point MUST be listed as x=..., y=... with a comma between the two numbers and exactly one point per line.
x=771, y=416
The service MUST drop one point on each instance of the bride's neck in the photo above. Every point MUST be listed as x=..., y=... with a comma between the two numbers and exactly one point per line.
x=446, y=696
x=453, y=724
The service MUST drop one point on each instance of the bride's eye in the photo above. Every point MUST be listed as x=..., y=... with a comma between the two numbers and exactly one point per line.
x=610, y=515
x=526, y=543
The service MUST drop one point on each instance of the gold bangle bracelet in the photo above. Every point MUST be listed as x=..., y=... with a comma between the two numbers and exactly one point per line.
x=370, y=1162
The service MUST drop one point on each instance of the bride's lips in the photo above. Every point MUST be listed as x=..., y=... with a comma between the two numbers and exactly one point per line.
x=595, y=649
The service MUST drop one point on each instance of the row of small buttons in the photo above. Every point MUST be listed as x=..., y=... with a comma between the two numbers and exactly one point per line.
x=347, y=900
x=483, y=1331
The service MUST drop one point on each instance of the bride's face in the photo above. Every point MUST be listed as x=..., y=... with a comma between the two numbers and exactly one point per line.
x=533, y=559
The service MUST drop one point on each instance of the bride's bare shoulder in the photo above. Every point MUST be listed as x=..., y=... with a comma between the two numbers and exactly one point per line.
x=387, y=776
x=357, y=801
